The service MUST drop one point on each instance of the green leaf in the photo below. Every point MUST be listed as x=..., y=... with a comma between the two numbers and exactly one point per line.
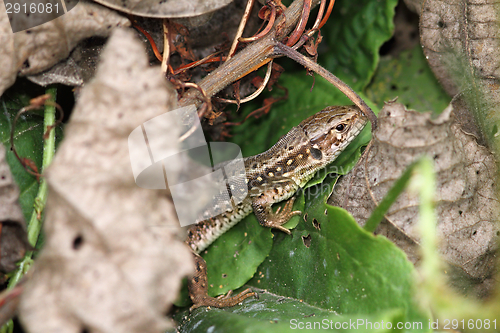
x=331, y=262
x=273, y=313
x=359, y=274
x=353, y=36
x=409, y=78
x=235, y=258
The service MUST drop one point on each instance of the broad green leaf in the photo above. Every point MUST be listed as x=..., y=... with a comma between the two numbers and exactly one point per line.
x=353, y=36
x=331, y=262
x=274, y=313
x=409, y=78
x=234, y=258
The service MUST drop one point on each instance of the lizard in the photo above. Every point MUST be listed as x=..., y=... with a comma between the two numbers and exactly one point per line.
x=273, y=176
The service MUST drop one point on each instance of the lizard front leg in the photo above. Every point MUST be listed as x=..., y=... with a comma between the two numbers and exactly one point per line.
x=262, y=207
x=198, y=289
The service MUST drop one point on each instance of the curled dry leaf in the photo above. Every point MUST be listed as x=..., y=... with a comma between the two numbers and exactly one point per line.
x=466, y=203
x=13, y=241
x=114, y=255
x=75, y=70
x=165, y=8
x=461, y=42
x=36, y=49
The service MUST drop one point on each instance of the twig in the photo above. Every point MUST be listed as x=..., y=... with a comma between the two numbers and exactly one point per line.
x=35, y=224
x=205, y=60
x=301, y=26
x=264, y=108
x=166, y=47
x=327, y=15
x=320, y=21
x=241, y=28
x=268, y=27
x=320, y=14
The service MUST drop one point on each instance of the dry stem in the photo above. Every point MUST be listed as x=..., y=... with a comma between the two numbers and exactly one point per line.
x=261, y=52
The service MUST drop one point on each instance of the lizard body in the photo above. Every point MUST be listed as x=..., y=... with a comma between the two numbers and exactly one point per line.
x=273, y=176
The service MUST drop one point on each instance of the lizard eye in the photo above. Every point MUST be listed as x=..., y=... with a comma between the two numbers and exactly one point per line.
x=340, y=127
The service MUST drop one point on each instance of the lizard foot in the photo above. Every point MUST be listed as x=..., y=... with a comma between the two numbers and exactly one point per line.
x=222, y=301
x=281, y=216
x=198, y=290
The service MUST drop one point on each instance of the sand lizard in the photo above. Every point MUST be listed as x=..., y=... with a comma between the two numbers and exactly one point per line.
x=271, y=177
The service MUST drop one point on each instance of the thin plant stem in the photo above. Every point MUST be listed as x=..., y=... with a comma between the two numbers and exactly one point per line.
x=35, y=223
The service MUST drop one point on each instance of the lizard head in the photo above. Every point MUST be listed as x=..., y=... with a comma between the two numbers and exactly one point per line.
x=331, y=130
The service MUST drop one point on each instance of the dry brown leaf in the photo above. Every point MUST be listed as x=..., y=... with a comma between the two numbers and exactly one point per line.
x=165, y=8
x=13, y=241
x=414, y=5
x=461, y=42
x=114, y=254
x=450, y=28
x=36, y=49
x=467, y=205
